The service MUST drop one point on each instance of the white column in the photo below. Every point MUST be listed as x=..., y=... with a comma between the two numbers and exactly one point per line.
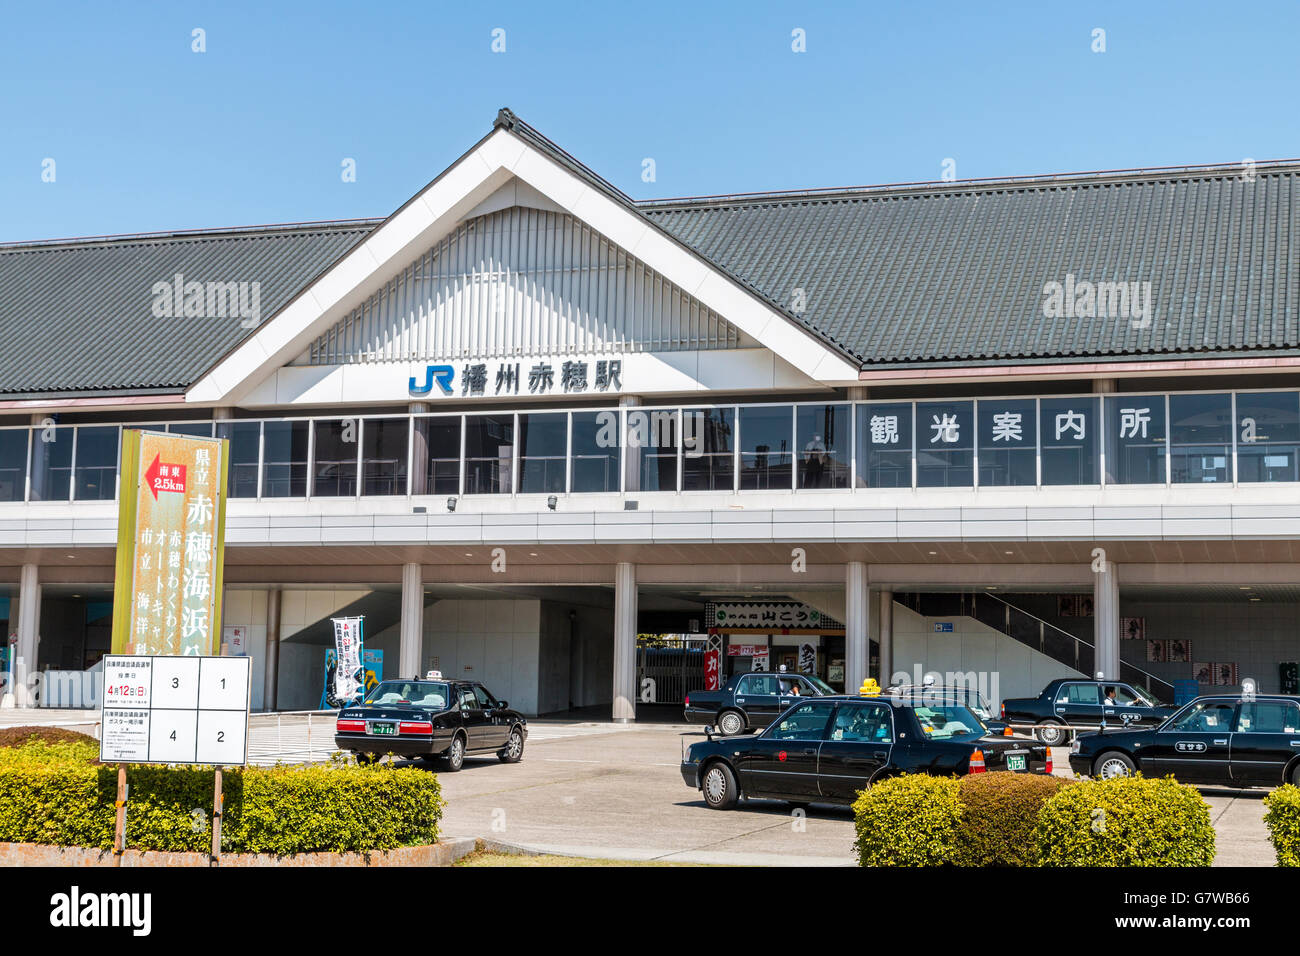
x=857, y=636
x=886, y=637
x=1105, y=604
x=29, y=626
x=271, y=667
x=624, y=642
x=411, y=643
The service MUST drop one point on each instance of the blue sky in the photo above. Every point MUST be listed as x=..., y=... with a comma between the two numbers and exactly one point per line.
x=147, y=135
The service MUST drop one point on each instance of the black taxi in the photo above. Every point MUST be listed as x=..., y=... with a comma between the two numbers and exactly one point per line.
x=431, y=719
x=1251, y=741
x=1073, y=701
x=750, y=700
x=828, y=749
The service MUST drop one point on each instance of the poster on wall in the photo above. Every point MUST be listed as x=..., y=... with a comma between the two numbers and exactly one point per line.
x=1157, y=652
x=1133, y=628
x=760, y=660
x=1204, y=672
x=373, y=662
x=348, y=676
x=1067, y=605
x=1180, y=651
x=1225, y=673
x=807, y=658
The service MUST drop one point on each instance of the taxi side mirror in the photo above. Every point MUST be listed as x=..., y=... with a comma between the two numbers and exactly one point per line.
x=502, y=704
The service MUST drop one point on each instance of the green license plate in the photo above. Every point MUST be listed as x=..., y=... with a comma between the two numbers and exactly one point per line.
x=1015, y=761
x=383, y=730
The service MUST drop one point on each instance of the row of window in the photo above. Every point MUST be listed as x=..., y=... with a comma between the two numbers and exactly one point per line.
x=1087, y=440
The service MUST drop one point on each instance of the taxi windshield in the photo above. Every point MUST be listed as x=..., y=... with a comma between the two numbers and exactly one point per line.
x=948, y=721
x=821, y=685
x=431, y=695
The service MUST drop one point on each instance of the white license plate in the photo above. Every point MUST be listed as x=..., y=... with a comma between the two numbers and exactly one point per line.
x=1015, y=762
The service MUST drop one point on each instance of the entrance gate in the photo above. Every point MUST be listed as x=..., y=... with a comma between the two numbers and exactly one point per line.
x=668, y=667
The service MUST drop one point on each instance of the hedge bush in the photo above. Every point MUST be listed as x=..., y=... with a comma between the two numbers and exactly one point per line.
x=1001, y=815
x=56, y=794
x=20, y=736
x=1283, y=820
x=910, y=820
x=1127, y=821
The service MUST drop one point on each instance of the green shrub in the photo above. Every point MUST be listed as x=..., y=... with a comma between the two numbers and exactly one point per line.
x=1001, y=813
x=910, y=820
x=1127, y=821
x=1283, y=820
x=54, y=794
x=21, y=736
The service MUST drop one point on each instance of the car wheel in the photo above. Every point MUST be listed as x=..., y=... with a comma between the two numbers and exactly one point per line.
x=1051, y=734
x=1113, y=764
x=364, y=760
x=719, y=786
x=1295, y=775
x=514, y=748
x=730, y=723
x=454, y=759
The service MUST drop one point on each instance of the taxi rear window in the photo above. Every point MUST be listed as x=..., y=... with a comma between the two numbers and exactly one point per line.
x=432, y=695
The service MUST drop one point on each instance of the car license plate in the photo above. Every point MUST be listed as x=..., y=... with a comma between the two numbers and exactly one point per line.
x=383, y=730
x=1015, y=761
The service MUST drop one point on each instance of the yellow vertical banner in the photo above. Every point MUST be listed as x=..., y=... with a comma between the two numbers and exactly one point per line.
x=170, y=544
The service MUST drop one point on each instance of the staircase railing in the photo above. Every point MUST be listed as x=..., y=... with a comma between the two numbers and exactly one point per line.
x=1044, y=636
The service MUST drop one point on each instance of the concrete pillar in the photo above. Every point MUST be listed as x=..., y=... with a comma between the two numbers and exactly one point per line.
x=857, y=629
x=29, y=627
x=412, y=629
x=1105, y=604
x=1103, y=386
x=419, y=463
x=857, y=393
x=624, y=642
x=886, y=637
x=271, y=668
x=631, y=455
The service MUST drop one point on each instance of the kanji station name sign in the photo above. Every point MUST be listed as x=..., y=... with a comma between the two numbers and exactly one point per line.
x=170, y=544
x=577, y=375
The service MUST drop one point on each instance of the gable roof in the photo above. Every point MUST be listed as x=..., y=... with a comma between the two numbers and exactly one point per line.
x=930, y=275
x=955, y=274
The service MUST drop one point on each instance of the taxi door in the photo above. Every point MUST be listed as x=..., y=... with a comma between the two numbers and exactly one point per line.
x=1078, y=702
x=858, y=747
x=782, y=761
x=476, y=721
x=1196, y=746
x=1265, y=739
x=756, y=695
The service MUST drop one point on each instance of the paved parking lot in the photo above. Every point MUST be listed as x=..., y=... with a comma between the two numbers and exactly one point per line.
x=598, y=789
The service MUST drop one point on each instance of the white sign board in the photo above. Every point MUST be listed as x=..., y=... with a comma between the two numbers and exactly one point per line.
x=191, y=710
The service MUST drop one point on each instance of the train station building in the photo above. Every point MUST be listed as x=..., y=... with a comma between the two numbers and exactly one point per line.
x=575, y=445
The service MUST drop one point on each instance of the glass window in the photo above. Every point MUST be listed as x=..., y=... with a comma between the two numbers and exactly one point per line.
x=805, y=722
x=1068, y=436
x=483, y=697
x=766, y=436
x=945, y=445
x=284, y=468
x=543, y=446
x=947, y=721
x=652, y=448
x=13, y=463
x=194, y=429
x=823, y=438
x=489, y=454
x=1268, y=717
x=862, y=723
x=756, y=686
x=596, y=450
x=1207, y=716
x=245, y=441
x=1135, y=440
x=1008, y=428
x=1200, y=438
x=383, y=456
x=96, y=463
x=885, y=446
x=708, y=449
x=1084, y=694
x=1268, y=436
x=52, y=463
x=437, y=440
x=334, y=471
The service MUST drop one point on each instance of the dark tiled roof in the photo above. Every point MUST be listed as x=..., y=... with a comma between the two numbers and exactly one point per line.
x=955, y=273
x=76, y=317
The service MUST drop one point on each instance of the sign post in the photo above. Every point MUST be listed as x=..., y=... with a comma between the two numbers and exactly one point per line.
x=119, y=828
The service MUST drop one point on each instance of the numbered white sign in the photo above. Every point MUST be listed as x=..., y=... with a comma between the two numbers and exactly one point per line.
x=191, y=710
